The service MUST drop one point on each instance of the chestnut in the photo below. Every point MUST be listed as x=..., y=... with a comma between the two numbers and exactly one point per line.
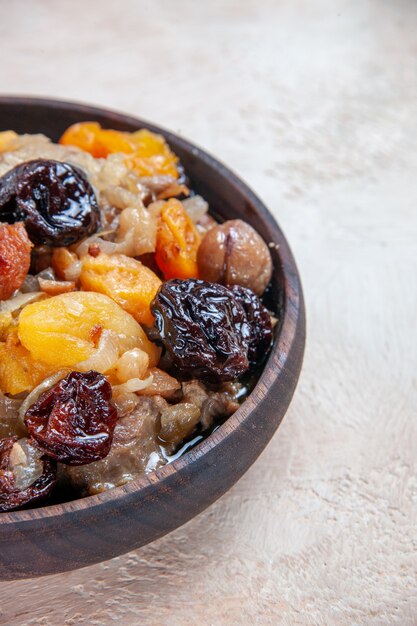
x=233, y=253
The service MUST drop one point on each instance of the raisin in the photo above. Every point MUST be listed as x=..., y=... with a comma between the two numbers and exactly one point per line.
x=75, y=419
x=259, y=321
x=54, y=199
x=204, y=329
x=12, y=495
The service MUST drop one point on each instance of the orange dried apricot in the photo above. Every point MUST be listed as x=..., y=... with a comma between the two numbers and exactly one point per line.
x=65, y=264
x=7, y=139
x=90, y=137
x=129, y=283
x=15, y=248
x=152, y=155
x=174, y=189
x=149, y=154
x=177, y=242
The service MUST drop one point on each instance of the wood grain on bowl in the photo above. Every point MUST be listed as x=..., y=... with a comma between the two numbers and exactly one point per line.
x=75, y=534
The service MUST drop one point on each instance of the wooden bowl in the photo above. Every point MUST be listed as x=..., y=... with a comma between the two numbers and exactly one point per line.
x=66, y=536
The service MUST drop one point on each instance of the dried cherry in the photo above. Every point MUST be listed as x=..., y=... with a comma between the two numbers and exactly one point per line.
x=54, y=199
x=204, y=329
x=259, y=320
x=75, y=419
x=11, y=496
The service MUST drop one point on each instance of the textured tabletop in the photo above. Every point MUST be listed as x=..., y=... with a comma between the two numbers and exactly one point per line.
x=314, y=103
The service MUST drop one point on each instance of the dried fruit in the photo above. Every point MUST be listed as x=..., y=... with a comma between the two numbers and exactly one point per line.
x=6, y=320
x=59, y=331
x=26, y=474
x=129, y=283
x=149, y=154
x=15, y=250
x=233, y=253
x=152, y=155
x=177, y=242
x=75, y=419
x=259, y=321
x=7, y=139
x=90, y=137
x=54, y=199
x=204, y=328
x=19, y=372
x=65, y=264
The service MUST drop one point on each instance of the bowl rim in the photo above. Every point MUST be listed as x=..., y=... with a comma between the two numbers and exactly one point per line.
x=293, y=311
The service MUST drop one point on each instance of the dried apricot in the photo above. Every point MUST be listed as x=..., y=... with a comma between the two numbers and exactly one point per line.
x=129, y=283
x=19, y=372
x=7, y=138
x=152, y=155
x=149, y=154
x=15, y=250
x=89, y=136
x=6, y=320
x=65, y=264
x=59, y=331
x=177, y=242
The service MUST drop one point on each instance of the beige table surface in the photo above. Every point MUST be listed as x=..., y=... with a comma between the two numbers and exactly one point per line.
x=314, y=103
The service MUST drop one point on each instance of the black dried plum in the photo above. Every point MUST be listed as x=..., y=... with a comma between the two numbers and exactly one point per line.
x=11, y=497
x=54, y=199
x=8, y=209
x=75, y=419
x=259, y=320
x=204, y=329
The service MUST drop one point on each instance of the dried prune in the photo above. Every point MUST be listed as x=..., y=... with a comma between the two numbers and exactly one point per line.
x=204, y=328
x=260, y=323
x=75, y=419
x=54, y=199
x=26, y=474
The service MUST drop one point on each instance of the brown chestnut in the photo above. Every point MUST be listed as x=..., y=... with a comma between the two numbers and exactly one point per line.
x=233, y=253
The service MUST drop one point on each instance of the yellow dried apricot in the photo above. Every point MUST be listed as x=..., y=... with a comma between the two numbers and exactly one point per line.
x=60, y=331
x=6, y=320
x=19, y=372
x=177, y=242
x=129, y=283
